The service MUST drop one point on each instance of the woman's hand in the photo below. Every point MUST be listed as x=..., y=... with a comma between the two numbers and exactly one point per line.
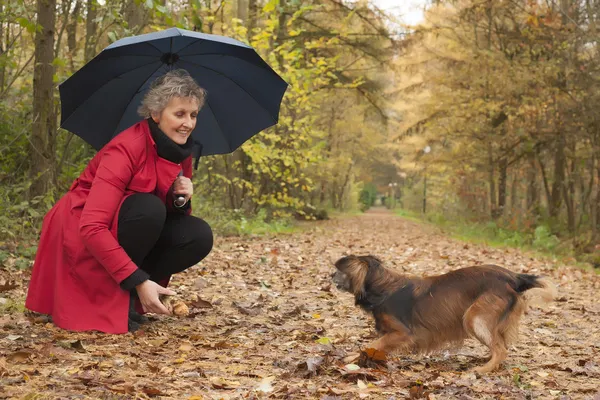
x=183, y=187
x=148, y=292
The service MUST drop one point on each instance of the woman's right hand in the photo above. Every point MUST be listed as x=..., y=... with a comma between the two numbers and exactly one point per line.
x=149, y=292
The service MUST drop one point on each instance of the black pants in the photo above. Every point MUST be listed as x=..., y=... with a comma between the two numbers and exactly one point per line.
x=158, y=242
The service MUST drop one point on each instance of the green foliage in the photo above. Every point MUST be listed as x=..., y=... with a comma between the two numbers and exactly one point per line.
x=310, y=162
x=544, y=239
x=228, y=222
x=367, y=196
x=491, y=233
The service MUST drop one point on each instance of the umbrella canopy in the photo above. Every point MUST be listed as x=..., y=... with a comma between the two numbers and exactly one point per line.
x=243, y=93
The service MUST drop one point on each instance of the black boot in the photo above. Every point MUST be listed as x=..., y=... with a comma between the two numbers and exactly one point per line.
x=132, y=326
x=135, y=316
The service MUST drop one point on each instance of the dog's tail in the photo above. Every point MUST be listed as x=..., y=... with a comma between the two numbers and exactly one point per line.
x=536, y=290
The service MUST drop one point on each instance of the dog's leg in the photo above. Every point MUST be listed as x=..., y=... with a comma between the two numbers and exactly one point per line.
x=392, y=341
x=484, y=321
x=396, y=335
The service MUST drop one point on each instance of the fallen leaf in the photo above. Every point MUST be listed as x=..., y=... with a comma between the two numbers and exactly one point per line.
x=265, y=385
x=201, y=304
x=152, y=391
x=158, y=342
x=7, y=285
x=78, y=346
x=186, y=347
x=19, y=356
x=323, y=340
x=220, y=383
x=372, y=358
x=247, y=310
x=193, y=374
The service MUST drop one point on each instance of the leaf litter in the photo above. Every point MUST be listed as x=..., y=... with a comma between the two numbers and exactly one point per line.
x=265, y=322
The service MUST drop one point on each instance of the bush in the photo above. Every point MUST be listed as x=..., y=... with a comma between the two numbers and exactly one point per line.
x=544, y=239
x=367, y=196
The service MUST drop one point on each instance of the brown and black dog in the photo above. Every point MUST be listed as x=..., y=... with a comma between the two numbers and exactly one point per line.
x=424, y=314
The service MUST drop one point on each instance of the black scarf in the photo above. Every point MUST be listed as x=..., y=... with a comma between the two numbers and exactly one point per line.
x=167, y=148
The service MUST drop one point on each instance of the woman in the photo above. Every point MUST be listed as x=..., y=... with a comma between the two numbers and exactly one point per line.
x=118, y=235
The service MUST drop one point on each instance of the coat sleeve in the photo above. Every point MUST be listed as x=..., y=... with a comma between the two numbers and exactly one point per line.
x=114, y=173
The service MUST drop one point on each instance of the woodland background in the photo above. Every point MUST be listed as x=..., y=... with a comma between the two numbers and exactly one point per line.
x=485, y=118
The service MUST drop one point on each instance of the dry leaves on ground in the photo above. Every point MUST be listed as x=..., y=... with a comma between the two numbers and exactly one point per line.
x=264, y=322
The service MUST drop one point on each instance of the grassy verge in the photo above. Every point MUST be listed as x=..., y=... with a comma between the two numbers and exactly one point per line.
x=540, y=243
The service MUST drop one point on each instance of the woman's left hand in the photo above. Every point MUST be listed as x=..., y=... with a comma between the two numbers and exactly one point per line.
x=183, y=187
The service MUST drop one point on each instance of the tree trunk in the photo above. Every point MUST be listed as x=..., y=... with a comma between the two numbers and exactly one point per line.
x=559, y=177
x=135, y=15
x=502, y=178
x=242, y=11
x=253, y=11
x=3, y=49
x=597, y=205
x=569, y=192
x=515, y=203
x=72, y=29
x=43, y=137
x=533, y=200
x=492, y=182
x=90, y=30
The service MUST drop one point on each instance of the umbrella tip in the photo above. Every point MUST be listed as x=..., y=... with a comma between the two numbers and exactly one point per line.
x=169, y=58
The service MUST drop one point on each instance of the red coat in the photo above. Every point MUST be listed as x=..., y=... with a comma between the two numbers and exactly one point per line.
x=79, y=263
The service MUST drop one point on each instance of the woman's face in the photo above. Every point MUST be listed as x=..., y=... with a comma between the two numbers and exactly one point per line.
x=178, y=119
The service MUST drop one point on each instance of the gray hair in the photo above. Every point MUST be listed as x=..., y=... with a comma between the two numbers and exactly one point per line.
x=176, y=83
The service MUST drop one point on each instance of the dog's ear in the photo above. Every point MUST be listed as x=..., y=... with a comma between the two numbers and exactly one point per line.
x=345, y=262
x=356, y=269
x=372, y=261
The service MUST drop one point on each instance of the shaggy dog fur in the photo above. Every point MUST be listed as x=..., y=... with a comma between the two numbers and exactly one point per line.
x=424, y=314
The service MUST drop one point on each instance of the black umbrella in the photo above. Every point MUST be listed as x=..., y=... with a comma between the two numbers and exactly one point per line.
x=244, y=93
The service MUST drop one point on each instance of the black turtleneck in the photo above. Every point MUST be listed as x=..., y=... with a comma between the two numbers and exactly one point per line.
x=167, y=148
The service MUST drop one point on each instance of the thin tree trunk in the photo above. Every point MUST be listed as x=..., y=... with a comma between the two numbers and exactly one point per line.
x=491, y=181
x=533, y=200
x=3, y=49
x=502, y=178
x=253, y=11
x=515, y=202
x=72, y=33
x=43, y=137
x=559, y=177
x=90, y=30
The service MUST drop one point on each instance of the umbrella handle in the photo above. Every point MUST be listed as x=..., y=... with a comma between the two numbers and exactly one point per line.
x=179, y=200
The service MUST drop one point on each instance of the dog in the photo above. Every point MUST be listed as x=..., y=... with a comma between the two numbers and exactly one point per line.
x=422, y=315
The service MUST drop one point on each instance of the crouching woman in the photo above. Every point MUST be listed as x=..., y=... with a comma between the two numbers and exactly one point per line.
x=117, y=235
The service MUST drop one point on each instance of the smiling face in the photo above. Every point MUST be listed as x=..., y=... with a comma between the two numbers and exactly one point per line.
x=178, y=119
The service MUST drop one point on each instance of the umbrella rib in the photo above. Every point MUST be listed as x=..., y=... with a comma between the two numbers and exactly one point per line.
x=228, y=78
x=106, y=83
x=136, y=92
x=154, y=47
